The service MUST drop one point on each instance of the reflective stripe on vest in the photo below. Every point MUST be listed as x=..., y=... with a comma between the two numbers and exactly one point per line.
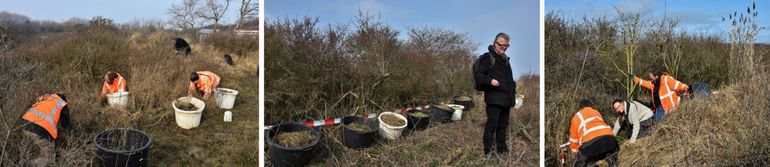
x=48, y=118
x=120, y=87
x=583, y=123
x=669, y=92
x=212, y=78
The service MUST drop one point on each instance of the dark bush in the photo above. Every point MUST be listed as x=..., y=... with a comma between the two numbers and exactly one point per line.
x=316, y=73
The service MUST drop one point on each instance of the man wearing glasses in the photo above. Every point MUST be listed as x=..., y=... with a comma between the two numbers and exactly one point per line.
x=494, y=74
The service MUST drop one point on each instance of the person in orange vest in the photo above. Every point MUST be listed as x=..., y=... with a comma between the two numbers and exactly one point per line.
x=590, y=138
x=113, y=83
x=664, y=91
x=203, y=82
x=40, y=124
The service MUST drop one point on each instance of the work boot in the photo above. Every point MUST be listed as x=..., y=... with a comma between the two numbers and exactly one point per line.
x=487, y=151
x=503, y=150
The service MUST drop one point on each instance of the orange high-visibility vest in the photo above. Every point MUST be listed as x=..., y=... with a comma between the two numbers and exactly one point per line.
x=586, y=125
x=45, y=113
x=669, y=99
x=207, y=81
x=118, y=85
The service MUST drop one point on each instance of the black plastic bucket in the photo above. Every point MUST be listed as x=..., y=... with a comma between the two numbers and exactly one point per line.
x=465, y=101
x=122, y=147
x=700, y=90
x=356, y=139
x=441, y=113
x=287, y=156
x=417, y=123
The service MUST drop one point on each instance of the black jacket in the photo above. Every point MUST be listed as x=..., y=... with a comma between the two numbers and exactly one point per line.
x=504, y=94
x=180, y=43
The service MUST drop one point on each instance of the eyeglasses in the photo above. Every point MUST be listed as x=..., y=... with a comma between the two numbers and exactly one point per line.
x=504, y=46
x=617, y=105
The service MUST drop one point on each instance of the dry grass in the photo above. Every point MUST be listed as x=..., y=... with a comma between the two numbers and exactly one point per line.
x=728, y=129
x=295, y=139
x=714, y=132
x=319, y=72
x=393, y=120
x=452, y=144
x=74, y=62
x=186, y=106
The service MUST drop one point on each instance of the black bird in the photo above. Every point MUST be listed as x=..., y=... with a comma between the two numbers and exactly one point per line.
x=228, y=59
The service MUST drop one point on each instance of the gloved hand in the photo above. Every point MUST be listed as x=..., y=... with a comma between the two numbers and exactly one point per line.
x=631, y=77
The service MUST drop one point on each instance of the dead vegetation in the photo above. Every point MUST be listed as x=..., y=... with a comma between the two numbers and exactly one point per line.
x=186, y=106
x=295, y=139
x=74, y=62
x=328, y=72
x=715, y=132
x=464, y=98
x=393, y=120
x=725, y=130
x=359, y=127
x=451, y=144
x=443, y=107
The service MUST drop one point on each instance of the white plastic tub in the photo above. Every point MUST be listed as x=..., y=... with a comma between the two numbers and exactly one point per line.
x=188, y=119
x=117, y=99
x=391, y=132
x=519, y=101
x=458, y=114
x=225, y=100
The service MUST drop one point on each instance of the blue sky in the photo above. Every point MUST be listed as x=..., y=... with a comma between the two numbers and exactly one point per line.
x=481, y=19
x=696, y=16
x=121, y=11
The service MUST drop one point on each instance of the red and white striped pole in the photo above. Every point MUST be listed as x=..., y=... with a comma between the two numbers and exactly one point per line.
x=333, y=121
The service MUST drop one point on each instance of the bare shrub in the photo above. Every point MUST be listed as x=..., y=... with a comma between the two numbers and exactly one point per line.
x=229, y=42
x=318, y=73
x=579, y=64
x=74, y=63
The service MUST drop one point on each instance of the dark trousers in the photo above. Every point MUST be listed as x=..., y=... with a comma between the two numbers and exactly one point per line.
x=496, y=127
x=603, y=148
x=659, y=114
x=644, y=130
x=646, y=127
